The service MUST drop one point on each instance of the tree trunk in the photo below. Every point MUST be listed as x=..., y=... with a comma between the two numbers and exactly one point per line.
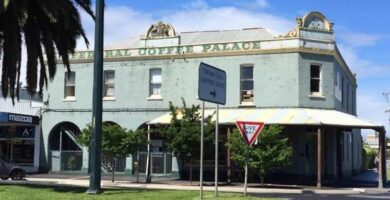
x=262, y=181
x=191, y=174
x=113, y=169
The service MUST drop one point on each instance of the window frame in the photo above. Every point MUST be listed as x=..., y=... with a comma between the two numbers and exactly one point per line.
x=68, y=84
x=242, y=102
x=105, y=85
x=319, y=79
x=153, y=96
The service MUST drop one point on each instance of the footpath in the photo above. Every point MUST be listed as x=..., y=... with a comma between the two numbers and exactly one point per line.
x=83, y=181
x=363, y=183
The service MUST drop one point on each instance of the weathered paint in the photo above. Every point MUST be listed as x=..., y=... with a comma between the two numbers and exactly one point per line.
x=281, y=78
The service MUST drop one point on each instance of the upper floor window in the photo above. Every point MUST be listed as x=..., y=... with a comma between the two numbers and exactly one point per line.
x=70, y=86
x=109, y=83
x=246, y=84
x=337, y=86
x=155, y=83
x=315, y=79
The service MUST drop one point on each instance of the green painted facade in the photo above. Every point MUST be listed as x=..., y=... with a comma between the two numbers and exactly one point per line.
x=281, y=79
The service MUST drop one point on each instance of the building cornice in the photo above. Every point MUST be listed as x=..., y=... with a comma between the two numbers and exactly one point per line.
x=276, y=46
x=344, y=66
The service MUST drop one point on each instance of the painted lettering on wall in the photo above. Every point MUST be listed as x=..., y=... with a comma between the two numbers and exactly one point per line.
x=171, y=50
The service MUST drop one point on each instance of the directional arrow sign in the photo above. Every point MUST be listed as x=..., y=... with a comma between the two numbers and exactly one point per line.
x=249, y=130
x=212, y=84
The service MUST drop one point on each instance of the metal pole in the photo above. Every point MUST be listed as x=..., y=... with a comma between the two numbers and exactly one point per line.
x=216, y=150
x=138, y=166
x=246, y=172
x=96, y=140
x=60, y=148
x=380, y=166
x=201, y=153
x=148, y=158
x=319, y=157
x=229, y=168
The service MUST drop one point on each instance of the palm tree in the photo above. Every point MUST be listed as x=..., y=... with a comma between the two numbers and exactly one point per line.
x=48, y=28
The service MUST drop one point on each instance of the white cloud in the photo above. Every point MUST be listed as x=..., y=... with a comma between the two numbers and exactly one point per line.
x=124, y=22
x=365, y=69
x=354, y=39
x=197, y=4
x=371, y=105
x=262, y=3
x=120, y=23
x=223, y=18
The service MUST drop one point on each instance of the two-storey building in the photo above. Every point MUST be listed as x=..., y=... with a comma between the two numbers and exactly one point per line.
x=299, y=80
x=20, y=131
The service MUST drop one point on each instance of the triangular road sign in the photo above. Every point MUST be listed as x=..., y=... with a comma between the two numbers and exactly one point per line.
x=250, y=130
x=26, y=133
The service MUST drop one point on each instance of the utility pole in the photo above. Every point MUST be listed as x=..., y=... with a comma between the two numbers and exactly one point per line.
x=387, y=96
x=97, y=109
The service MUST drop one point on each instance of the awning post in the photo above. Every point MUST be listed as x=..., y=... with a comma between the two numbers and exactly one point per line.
x=382, y=159
x=148, y=158
x=319, y=157
x=335, y=155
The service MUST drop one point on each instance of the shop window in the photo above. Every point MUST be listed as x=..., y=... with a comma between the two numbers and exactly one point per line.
x=315, y=79
x=70, y=87
x=109, y=84
x=155, y=83
x=246, y=84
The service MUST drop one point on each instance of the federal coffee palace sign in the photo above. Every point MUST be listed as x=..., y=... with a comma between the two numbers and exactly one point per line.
x=171, y=50
x=165, y=33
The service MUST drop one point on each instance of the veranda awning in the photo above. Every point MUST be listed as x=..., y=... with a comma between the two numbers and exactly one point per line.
x=283, y=116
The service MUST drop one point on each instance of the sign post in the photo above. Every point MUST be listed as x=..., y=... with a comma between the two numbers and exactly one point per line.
x=211, y=88
x=250, y=131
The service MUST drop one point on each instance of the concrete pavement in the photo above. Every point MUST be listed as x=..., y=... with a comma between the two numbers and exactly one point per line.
x=83, y=181
x=290, y=192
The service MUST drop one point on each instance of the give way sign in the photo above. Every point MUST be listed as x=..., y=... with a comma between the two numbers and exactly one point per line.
x=249, y=130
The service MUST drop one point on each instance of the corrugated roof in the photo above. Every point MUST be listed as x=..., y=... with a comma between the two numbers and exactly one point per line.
x=201, y=37
x=283, y=116
x=205, y=37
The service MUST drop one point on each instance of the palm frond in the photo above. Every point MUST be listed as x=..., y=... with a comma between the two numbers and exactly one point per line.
x=52, y=25
x=86, y=5
x=12, y=42
x=42, y=76
x=31, y=37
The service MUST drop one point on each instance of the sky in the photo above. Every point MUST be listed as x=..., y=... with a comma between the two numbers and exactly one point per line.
x=362, y=29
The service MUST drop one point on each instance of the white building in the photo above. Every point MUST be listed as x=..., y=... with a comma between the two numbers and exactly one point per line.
x=20, y=131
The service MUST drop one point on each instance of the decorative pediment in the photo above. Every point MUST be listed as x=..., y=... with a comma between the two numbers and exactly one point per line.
x=160, y=30
x=316, y=21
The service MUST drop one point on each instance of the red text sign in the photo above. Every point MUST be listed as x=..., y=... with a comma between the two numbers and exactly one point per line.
x=249, y=130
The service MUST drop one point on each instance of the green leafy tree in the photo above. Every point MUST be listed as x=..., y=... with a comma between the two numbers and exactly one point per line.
x=271, y=151
x=47, y=27
x=117, y=142
x=183, y=134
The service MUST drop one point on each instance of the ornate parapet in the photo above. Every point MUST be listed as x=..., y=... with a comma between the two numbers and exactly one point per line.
x=313, y=21
x=317, y=21
x=160, y=30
